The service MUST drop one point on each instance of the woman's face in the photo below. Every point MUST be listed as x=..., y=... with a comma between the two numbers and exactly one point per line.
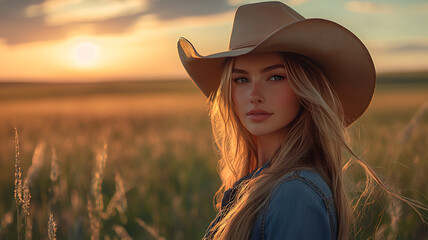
x=261, y=93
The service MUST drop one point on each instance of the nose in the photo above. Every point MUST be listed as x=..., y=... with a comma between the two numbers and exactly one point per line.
x=256, y=95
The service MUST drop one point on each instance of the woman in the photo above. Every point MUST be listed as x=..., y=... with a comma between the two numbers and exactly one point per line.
x=280, y=101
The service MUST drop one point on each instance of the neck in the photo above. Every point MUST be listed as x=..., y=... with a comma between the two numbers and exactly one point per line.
x=267, y=144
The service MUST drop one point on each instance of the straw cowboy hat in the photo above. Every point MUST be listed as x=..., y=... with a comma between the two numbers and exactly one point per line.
x=275, y=27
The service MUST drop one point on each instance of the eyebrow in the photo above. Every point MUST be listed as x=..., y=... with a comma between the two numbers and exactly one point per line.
x=266, y=69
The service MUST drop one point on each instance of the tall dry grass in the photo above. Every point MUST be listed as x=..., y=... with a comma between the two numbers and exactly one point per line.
x=97, y=213
x=395, y=154
x=22, y=195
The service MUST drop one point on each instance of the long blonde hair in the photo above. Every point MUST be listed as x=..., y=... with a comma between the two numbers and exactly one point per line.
x=316, y=140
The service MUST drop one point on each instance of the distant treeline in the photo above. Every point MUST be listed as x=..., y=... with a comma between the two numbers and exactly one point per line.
x=13, y=90
x=403, y=78
x=28, y=90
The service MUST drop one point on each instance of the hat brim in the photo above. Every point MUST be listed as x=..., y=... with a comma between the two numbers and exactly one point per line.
x=341, y=56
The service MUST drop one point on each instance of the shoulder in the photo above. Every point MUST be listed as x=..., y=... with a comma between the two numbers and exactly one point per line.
x=300, y=206
x=304, y=182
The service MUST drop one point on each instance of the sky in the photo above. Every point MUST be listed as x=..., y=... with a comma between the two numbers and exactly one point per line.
x=108, y=40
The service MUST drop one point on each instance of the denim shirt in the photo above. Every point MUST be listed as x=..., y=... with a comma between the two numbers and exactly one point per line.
x=300, y=207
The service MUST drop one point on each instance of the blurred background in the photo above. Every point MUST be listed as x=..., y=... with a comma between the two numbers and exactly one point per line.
x=99, y=40
x=115, y=140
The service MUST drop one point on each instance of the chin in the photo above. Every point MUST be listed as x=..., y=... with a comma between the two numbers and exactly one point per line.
x=265, y=129
x=259, y=132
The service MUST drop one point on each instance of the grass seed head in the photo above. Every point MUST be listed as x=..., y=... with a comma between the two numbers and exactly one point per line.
x=54, y=167
x=26, y=199
x=394, y=210
x=52, y=227
x=149, y=229
x=29, y=229
x=6, y=220
x=97, y=178
x=94, y=220
x=414, y=122
x=120, y=191
x=18, y=171
x=121, y=232
x=36, y=163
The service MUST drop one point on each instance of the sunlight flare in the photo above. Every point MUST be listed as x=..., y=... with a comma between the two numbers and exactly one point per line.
x=85, y=54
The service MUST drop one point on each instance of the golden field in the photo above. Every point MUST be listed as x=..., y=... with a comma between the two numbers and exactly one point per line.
x=159, y=174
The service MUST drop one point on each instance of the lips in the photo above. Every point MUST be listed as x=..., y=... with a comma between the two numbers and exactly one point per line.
x=258, y=112
x=257, y=115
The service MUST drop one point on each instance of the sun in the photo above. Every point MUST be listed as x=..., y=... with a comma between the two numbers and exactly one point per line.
x=85, y=54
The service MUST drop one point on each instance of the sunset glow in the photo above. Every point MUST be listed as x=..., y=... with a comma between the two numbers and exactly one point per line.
x=74, y=40
x=85, y=54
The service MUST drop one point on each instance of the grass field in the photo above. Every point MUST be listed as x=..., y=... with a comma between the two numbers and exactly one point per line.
x=159, y=175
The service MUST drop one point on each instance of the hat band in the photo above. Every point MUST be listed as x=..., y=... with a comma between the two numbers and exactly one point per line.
x=243, y=46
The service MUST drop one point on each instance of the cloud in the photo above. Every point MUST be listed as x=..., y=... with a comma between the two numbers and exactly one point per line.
x=46, y=20
x=397, y=47
x=409, y=47
x=369, y=7
x=115, y=25
x=399, y=55
x=68, y=11
x=38, y=9
x=170, y=9
x=16, y=27
x=161, y=11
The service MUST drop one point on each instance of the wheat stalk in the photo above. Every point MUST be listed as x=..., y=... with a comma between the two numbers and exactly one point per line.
x=95, y=208
x=18, y=185
x=18, y=172
x=21, y=194
x=120, y=191
x=54, y=167
x=149, y=229
x=25, y=203
x=6, y=220
x=121, y=232
x=94, y=220
x=29, y=227
x=417, y=117
x=52, y=227
x=54, y=174
x=394, y=211
x=97, y=179
x=36, y=163
x=118, y=201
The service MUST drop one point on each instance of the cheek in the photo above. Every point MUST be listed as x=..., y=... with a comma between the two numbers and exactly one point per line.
x=237, y=99
x=288, y=100
x=291, y=98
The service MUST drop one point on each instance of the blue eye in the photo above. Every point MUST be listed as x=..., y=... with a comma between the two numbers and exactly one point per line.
x=276, y=78
x=240, y=80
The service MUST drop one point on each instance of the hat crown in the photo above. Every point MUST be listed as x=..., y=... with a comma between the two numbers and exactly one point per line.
x=254, y=22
